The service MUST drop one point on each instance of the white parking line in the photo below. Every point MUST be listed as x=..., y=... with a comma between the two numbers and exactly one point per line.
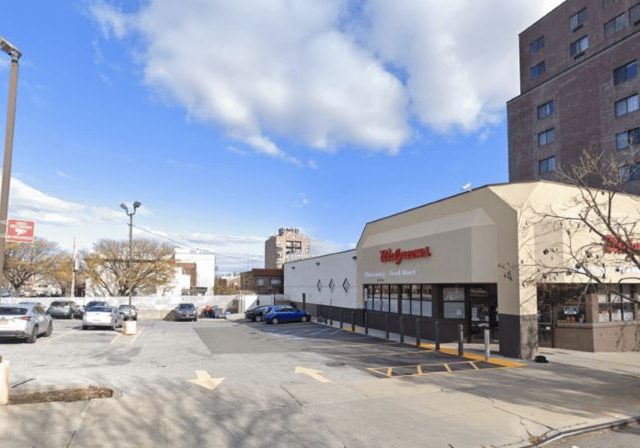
x=51, y=339
x=137, y=335
x=116, y=338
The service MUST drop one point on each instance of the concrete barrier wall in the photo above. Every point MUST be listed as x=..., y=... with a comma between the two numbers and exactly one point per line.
x=158, y=307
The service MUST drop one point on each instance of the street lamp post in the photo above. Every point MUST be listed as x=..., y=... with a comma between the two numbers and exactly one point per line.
x=136, y=206
x=13, y=52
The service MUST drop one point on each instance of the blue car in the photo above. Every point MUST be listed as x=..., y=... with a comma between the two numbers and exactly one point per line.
x=285, y=313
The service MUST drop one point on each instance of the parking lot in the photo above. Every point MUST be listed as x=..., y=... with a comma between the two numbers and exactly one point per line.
x=302, y=384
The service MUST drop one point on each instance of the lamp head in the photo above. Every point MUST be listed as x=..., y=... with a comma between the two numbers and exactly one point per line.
x=10, y=49
x=124, y=207
x=137, y=204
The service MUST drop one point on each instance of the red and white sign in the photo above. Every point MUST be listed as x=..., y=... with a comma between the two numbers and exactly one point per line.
x=396, y=256
x=20, y=230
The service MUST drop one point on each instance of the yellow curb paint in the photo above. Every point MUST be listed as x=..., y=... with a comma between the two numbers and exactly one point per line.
x=446, y=366
x=473, y=364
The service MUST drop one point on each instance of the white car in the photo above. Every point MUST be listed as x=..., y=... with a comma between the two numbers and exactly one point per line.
x=24, y=321
x=102, y=316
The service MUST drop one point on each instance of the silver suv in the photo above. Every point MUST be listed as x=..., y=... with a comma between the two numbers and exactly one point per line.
x=24, y=321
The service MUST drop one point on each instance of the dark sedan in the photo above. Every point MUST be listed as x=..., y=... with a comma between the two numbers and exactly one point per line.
x=256, y=314
x=286, y=313
x=186, y=311
x=128, y=312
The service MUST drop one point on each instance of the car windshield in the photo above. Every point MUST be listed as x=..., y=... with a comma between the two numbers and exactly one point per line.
x=101, y=309
x=126, y=307
x=12, y=311
x=58, y=303
x=187, y=306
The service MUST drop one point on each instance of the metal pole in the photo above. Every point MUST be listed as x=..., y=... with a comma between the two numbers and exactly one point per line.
x=8, y=153
x=341, y=318
x=460, y=339
x=417, y=332
x=130, y=259
x=386, y=324
x=366, y=321
x=401, y=330
x=436, y=331
x=330, y=311
x=73, y=270
x=487, y=342
x=353, y=321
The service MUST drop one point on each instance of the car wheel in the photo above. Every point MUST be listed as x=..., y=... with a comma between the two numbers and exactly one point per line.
x=49, y=330
x=33, y=336
x=304, y=319
x=275, y=321
x=258, y=318
x=113, y=326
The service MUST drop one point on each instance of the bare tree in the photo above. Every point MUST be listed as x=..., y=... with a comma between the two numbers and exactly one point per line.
x=24, y=262
x=60, y=272
x=109, y=271
x=600, y=233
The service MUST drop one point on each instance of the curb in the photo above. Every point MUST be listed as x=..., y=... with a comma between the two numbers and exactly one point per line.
x=545, y=440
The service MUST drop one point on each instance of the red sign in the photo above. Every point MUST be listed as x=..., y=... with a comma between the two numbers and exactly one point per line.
x=396, y=256
x=20, y=230
x=615, y=245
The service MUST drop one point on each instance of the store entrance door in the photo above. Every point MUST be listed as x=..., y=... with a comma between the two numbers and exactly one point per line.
x=483, y=314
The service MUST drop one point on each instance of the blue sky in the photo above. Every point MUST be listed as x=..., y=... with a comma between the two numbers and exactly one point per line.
x=341, y=117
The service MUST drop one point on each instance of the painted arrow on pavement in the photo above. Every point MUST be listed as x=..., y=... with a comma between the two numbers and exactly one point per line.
x=204, y=380
x=313, y=373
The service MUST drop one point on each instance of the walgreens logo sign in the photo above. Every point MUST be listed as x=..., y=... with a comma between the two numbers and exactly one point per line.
x=398, y=255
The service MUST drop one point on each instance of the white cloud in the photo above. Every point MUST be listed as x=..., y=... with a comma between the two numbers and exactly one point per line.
x=62, y=174
x=302, y=201
x=28, y=202
x=328, y=74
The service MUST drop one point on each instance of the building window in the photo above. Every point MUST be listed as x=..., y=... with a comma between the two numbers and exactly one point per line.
x=614, y=307
x=547, y=165
x=259, y=281
x=346, y=285
x=614, y=25
x=630, y=172
x=627, y=138
x=634, y=15
x=625, y=73
x=577, y=20
x=627, y=105
x=536, y=45
x=538, y=70
x=606, y=3
x=413, y=300
x=577, y=48
x=546, y=110
x=275, y=282
x=453, y=303
x=546, y=137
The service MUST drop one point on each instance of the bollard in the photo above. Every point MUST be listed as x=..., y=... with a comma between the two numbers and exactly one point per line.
x=366, y=322
x=487, y=343
x=417, y=332
x=460, y=339
x=386, y=324
x=436, y=332
x=330, y=315
x=401, y=330
x=341, y=318
x=353, y=321
x=4, y=382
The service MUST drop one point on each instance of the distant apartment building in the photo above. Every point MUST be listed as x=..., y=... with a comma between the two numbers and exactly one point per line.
x=196, y=272
x=288, y=245
x=262, y=281
x=579, y=90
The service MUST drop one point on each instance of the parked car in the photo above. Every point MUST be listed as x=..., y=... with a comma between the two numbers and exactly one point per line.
x=24, y=322
x=67, y=309
x=186, y=311
x=94, y=303
x=257, y=314
x=102, y=316
x=285, y=313
x=126, y=311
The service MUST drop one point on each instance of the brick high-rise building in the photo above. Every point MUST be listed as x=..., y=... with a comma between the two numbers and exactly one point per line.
x=288, y=245
x=579, y=90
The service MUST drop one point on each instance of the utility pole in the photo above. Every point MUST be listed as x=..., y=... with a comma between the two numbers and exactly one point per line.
x=13, y=52
x=73, y=270
x=136, y=206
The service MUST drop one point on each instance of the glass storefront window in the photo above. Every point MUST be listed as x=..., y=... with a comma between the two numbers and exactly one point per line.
x=603, y=308
x=394, y=290
x=406, y=306
x=427, y=308
x=415, y=291
x=393, y=306
x=415, y=307
x=453, y=303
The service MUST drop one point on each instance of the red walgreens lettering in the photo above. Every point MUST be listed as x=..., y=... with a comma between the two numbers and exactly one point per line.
x=615, y=245
x=398, y=255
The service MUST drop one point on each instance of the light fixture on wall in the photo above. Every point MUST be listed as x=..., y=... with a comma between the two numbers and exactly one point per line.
x=317, y=263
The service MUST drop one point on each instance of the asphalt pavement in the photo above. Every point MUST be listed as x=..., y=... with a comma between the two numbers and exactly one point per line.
x=224, y=383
